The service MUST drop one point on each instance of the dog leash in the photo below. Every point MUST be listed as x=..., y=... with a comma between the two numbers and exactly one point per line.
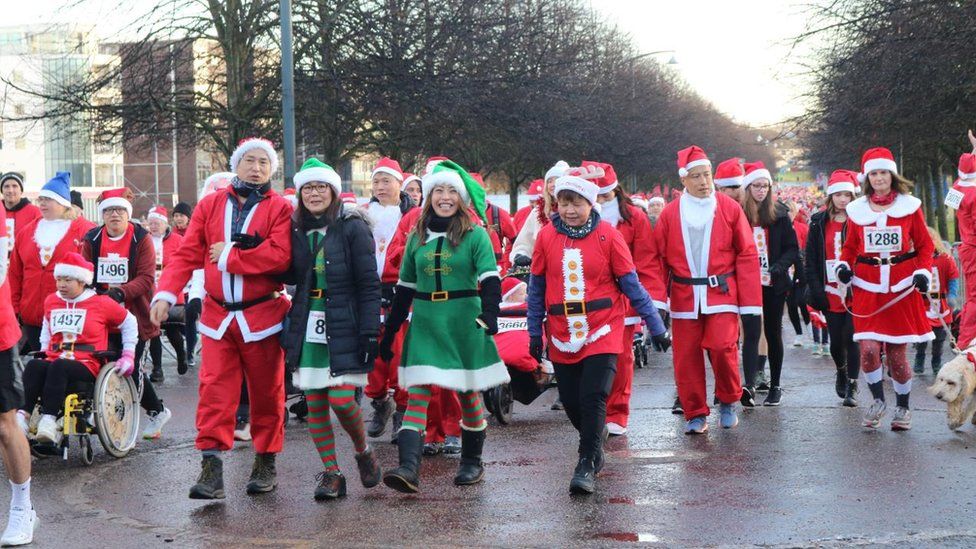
x=952, y=340
x=884, y=307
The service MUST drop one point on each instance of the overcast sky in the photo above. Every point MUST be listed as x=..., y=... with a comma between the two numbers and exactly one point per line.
x=733, y=52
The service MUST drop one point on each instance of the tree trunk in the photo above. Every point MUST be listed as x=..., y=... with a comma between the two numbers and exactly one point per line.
x=939, y=197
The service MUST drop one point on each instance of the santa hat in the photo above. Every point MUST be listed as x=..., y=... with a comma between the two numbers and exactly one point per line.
x=655, y=200
x=13, y=176
x=729, y=173
x=510, y=285
x=115, y=198
x=447, y=172
x=73, y=265
x=755, y=171
x=535, y=190
x=388, y=166
x=216, y=182
x=409, y=178
x=608, y=182
x=250, y=144
x=291, y=195
x=315, y=170
x=967, y=166
x=581, y=181
x=477, y=177
x=878, y=158
x=557, y=170
x=842, y=181
x=58, y=189
x=432, y=162
x=158, y=212
x=349, y=198
x=691, y=157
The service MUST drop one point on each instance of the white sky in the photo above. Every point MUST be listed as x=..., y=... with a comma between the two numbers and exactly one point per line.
x=733, y=52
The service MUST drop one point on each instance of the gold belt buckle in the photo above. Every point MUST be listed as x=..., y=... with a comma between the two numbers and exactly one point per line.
x=438, y=296
x=316, y=293
x=574, y=307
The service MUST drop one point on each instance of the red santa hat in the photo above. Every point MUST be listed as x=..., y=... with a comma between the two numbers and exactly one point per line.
x=581, y=181
x=535, y=190
x=349, y=198
x=510, y=285
x=477, y=177
x=433, y=161
x=729, y=173
x=160, y=213
x=842, y=181
x=216, y=182
x=691, y=157
x=409, y=178
x=878, y=158
x=608, y=182
x=656, y=200
x=115, y=198
x=250, y=144
x=967, y=166
x=73, y=265
x=388, y=166
x=291, y=195
x=755, y=171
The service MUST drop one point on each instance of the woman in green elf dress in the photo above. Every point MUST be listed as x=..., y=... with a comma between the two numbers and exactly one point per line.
x=450, y=276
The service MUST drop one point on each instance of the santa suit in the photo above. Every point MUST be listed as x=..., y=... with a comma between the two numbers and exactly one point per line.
x=962, y=197
x=16, y=219
x=502, y=232
x=165, y=246
x=708, y=240
x=637, y=236
x=520, y=216
x=9, y=328
x=833, y=246
x=242, y=314
x=74, y=329
x=943, y=270
x=893, y=233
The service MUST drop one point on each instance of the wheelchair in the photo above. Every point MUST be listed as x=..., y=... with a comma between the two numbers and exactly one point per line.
x=107, y=408
x=176, y=319
x=640, y=349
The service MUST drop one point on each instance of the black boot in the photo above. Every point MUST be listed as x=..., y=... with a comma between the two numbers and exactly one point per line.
x=584, y=478
x=600, y=458
x=332, y=485
x=157, y=375
x=263, y=474
x=840, y=384
x=406, y=477
x=471, y=470
x=748, y=398
x=850, y=394
x=210, y=484
x=369, y=469
x=382, y=410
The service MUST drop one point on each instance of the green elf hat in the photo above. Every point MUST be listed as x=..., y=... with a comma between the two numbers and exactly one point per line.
x=447, y=172
x=315, y=170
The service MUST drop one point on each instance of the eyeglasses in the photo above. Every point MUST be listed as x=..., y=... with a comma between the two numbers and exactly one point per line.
x=115, y=210
x=761, y=187
x=311, y=189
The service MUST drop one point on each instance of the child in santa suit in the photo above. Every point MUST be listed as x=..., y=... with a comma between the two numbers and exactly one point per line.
x=241, y=237
x=18, y=210
x=165, y=243
x=943, y=292
x=534, y=194
x=703, y=243
x=582, y=271
x=76, y=324
x=962, y=199
x=887, y=258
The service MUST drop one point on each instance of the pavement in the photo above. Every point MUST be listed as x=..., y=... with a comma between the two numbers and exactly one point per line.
x=805, y=474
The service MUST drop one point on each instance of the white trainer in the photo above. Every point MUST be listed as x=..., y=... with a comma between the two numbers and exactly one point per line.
x=242, y=432
x=47, y=430
x=615, y=429
x=154, y=424
x=20, y=527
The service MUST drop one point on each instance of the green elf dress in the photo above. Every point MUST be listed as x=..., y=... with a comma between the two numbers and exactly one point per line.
x=313, y=368
x=444, y=346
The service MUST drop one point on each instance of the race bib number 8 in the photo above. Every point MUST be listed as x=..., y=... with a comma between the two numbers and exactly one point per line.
x=315, y=330
x=68, y=321
x=10, y=234
x=953, y=199
x=882, y=239
x=113, y=270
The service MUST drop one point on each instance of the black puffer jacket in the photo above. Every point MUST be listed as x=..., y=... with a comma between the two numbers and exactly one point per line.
x=352, y=296
x=815, y=266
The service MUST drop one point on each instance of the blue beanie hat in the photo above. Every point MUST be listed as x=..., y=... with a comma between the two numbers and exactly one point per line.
x=58, y=189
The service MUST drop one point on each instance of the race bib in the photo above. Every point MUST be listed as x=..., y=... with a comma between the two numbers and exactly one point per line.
x=315, y=329
x=113, y=270
x=512, y=324
x=759, y=235
x=879, y=240
x=10, y=234
x=68, y=321
x=953, y=199
x=831, y=275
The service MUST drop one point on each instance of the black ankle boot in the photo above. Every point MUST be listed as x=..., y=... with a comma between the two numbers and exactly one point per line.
x=471, y=470
x=601, y=457
x=406, y=477
x=210, y=484
x=850, y=394
x=263, y=474
x=840, y=385
x=584, y=478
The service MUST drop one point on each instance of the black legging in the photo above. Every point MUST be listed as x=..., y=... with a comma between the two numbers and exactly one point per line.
x=190, y=329
x=937, y=344
x=751, y=332
x=843, y=349
x=174, y=333
x=49, y=382
x=31, y=338
x=583, y=389
x=773, y=328
x=797, y=309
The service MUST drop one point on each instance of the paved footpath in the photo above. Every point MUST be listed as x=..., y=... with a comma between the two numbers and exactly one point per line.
x=803, y=474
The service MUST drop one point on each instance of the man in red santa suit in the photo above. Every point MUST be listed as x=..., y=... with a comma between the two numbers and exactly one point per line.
x=240, y=236
x=703, y=243
x=962, y=198
x=19, y=210
x=534, y=194
x=500, y=228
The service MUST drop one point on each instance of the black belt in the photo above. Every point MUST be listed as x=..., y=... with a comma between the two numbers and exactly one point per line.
x=241, y=305
x=937, y=295
x=567, y=308
x=71, y=347
x=712, y=281
x=877, y=261
x=445, y=295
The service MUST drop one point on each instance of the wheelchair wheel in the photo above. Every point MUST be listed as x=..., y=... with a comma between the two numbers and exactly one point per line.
x=87, y=453
x=501, y=403
x=116, y=411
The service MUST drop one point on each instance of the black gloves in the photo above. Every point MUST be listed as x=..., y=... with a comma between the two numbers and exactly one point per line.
x=399, y=309
x=246, y=241
x=535, y=347
x=491, y=296
x=386, y=345
x=776, y=270
x=369, y=348
x=817, y=300
x=386, y=296
x=522, y=260
x=844, y=274
x=921, y=283
x=661, y=342
x=193, y=307
x=116, y=294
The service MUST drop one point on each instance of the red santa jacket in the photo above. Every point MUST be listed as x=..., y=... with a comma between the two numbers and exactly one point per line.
x=75, y=328
x=962, y=197
x=17, y=218
x=520, y=216
x=165, y=246
x=943, y=270
x=580, y=274
x=637, y=236
x=728, y=249
x=502, y=232
x=239, y=276
x=32, y=264
x=9, y=328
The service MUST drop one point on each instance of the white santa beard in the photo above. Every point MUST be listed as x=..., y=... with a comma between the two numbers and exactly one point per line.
x=385, y=220
x=49, y=233
x=697, y=212
x=610, y=212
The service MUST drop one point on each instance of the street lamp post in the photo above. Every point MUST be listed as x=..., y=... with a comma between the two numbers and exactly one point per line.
x=287, y=92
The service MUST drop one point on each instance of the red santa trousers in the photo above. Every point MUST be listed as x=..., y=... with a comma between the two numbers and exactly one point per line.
x=618, y=403
x=717, y=334
x=224, y=362
x=384, y=374
x=967, y=325
x=443, y=415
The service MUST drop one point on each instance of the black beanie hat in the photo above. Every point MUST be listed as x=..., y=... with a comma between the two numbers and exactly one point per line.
x=19, y=178
x=183, y=208
x=76, y=200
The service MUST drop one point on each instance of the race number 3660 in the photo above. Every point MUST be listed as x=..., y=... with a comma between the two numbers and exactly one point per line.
x=882, y=239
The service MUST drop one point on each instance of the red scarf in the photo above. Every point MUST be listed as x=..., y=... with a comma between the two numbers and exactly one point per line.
x=885, y=200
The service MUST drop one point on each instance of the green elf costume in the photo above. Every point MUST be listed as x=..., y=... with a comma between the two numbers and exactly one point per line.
x=455, y=291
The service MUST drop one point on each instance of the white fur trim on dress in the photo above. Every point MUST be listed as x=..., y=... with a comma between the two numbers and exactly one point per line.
x=457, y=380
x=250, y=145
x=320, y=378
x=860, y=212
x=755, y=175
x=55, y=197
x=444, y=177
x=114, y=202
x=324, y=175
x=75, y=272
x=885, y=338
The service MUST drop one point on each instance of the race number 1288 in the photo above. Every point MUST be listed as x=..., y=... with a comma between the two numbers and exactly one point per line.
x=882, y=239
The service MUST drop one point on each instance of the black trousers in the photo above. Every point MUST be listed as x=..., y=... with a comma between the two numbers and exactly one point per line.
x=31, y=339
x=773, y=328
x=751, y=333
x=937, y=344
x=843, y=349
x=797, y=308
x=190, y=331
x=49, y=382
x=583, y=389
x=174, y=334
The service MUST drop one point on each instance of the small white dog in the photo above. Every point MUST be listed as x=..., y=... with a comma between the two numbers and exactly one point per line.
x=955, y=385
